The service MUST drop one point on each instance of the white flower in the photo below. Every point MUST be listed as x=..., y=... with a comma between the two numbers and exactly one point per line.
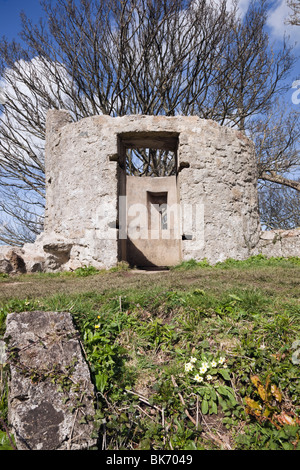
x=198, y=378
x=208, y=377
x=213, y=364
x=221, y=360
x=193, y=360
x=203, y=368
x=225, y=366
x=188, y=367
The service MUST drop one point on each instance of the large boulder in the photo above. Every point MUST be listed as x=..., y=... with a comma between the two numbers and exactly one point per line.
x=5, y=266
x=11, y=260
x=29, y=259
x=51, y=396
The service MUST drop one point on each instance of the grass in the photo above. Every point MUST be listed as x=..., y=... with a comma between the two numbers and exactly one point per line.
x=149, y=325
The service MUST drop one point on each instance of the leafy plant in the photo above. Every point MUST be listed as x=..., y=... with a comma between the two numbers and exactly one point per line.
x=269, y=404
x=86, y=271
x=158, y=334
x=211, y=371
x=103, y=352
x=256, y=437
x=6, y=442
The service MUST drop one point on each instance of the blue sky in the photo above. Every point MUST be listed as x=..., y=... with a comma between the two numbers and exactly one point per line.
x=10, y=26
x=10, y=10
x=10, y=17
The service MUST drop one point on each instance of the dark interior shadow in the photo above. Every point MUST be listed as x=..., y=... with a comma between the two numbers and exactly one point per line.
x=137, y=259
x=153, y=268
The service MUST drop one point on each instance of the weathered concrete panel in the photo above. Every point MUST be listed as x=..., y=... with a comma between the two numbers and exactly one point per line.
x=148, y=244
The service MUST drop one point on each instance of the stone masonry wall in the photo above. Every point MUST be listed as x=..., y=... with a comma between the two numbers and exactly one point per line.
x=80, y=179
x=216, y=185
x=279, y=243
x=217, y=175
x=222, y=178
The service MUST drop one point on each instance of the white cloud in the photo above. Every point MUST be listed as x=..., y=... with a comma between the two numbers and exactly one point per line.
x=243, y=6
x=277, y=23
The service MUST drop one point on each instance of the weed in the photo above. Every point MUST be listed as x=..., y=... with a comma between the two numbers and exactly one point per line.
x=86, y=271
x=121, y=266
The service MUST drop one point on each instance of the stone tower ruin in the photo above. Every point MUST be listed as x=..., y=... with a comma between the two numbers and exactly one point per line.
x=98, y=215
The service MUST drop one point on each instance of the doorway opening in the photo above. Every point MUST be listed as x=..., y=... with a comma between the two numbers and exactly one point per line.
x=149, y=154
x=148, y=180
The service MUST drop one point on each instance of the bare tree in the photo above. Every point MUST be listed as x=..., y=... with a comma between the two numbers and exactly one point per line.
x=255, y=72
x=294, y=18
x=280, y=207
x=22, y=144
x=133, y=57
x=276, y=137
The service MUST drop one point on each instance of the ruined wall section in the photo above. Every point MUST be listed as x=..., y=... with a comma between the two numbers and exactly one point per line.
x=81, y=192
x=279, y=243
x=219, y=178
x=216, y=185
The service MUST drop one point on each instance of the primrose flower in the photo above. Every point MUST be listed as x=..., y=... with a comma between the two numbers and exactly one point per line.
x=203, y=368
x=221, y=360
x=213, y=363
x=198, y=378
x=193, y=360
x=188, y=367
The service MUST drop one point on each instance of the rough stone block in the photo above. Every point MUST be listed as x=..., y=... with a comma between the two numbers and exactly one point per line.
x=51, y=396
x=16, y=260
x=5, y=266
